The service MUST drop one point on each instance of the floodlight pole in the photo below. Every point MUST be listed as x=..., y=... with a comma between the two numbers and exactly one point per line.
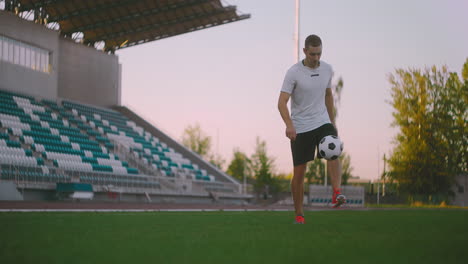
x=244, y=176
x=378, y=176
x=296, y=33
x=326, y=175
x=245, y=185
x=384, y=174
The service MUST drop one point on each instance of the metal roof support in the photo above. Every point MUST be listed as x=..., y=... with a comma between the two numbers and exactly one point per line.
x=162, y=36
x=130, y=17
x=38, y=4
x=11, y=5
x=124, y=23
x=165, y=24
x=92, y=10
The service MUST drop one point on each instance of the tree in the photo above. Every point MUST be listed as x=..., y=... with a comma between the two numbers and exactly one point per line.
x=262, y=169
x=239, y=166
x=217, y=161
x=337, y=89
x=282, y=182
x=430, y=112
x=196, y=140
x=316, y=172
x=346, y=168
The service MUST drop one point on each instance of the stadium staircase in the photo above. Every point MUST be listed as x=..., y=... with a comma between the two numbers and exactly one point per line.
x=44, y=142
x=190, y=164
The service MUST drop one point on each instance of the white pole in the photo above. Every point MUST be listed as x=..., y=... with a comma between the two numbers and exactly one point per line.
x=245, y=181
x=384, y=175
x=378, y=176
x=245, y=187
x=326, y=174
x=296, y=33
x=217, y=141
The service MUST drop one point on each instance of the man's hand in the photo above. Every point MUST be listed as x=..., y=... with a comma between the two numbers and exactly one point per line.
x=333, y=123
x=291, y=133
x=283, y=109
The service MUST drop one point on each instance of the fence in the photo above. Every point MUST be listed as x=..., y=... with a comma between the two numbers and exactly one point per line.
x=320, y=195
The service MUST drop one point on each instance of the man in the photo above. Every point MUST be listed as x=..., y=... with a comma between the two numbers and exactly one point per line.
x=308, y=84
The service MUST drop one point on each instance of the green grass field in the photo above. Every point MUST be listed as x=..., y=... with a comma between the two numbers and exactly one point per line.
x=380, y=236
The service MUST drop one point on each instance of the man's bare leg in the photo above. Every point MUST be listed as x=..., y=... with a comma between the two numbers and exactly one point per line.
x=334, y=170
x=297, y=188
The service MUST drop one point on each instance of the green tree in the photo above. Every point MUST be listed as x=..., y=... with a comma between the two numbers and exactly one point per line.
x=262, y=169
x=430, y=112
x=196, y=140
x=316, y=171
x=239, y=166
x=346, y=168
x=283, y=182
x=217, y=160
x=337, y=89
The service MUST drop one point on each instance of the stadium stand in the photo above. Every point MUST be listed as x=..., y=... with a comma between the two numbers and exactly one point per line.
x=62, y=125
x=42, y=141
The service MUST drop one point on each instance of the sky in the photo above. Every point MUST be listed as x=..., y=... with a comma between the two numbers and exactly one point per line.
x=228, y=78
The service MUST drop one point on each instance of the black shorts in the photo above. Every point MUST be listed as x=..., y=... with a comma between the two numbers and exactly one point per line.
x=304, y=147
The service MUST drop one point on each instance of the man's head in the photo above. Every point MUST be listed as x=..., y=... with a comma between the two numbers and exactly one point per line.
x=313, y=50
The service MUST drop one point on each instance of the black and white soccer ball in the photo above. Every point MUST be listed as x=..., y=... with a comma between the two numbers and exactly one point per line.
x=330, y=147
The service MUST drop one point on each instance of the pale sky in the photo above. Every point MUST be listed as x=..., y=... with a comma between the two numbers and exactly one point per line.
x=227, y=78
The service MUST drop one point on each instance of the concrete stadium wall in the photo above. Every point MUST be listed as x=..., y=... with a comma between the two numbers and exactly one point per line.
x=50, y=195
x=171, y=199
x=88, y=75
x=78, y=72
x=39, y=195
x=20, y=79
x=8, y=191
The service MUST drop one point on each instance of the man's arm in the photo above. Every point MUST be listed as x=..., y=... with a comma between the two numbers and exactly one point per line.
x=330, y=105
x=284, y=112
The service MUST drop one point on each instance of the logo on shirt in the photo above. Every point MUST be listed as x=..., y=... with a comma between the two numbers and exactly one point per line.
x=314, y=75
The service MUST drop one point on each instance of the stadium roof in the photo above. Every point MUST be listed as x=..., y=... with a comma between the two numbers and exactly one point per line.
x=125, y=23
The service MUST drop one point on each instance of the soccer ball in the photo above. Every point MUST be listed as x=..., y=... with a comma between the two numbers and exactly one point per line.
x=330, y=147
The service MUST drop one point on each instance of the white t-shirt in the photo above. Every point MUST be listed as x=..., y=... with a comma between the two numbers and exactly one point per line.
x=307, y=88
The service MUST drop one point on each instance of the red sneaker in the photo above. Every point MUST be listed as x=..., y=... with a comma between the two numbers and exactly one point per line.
x=338, y=199
x=299, y=220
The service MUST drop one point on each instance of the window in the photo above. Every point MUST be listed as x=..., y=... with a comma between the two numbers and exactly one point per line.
x=37, y=60
x=11, y=51
x=33, y=58
x=22, y=58
x=16, y=54
x=25, y=55
x=1, y=47
x=43, y=61
x=48, y=59
x=5, y=50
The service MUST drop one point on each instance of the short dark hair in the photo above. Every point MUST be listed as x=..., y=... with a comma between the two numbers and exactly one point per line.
x=313, y=40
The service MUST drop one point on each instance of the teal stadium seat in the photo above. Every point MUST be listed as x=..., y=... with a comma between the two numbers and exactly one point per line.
x=46, y=127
